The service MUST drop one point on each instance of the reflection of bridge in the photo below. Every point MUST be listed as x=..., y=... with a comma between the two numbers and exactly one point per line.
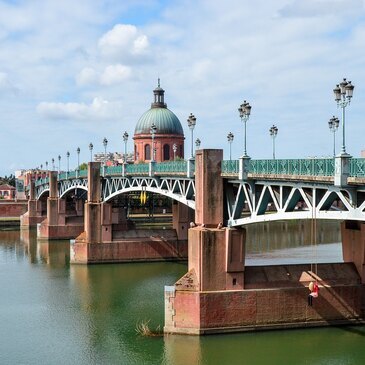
x=273, y=189
x=219, y=293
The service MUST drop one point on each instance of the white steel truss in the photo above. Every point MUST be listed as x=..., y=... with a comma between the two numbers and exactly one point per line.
x=261, y=201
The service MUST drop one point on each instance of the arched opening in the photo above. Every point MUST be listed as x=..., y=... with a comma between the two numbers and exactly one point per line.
x=147, y=152
x=166, y=152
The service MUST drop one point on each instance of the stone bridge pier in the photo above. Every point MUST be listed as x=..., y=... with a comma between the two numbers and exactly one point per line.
x=108, y=237
x=57, y=224
x=34, y=215
x=220, y=294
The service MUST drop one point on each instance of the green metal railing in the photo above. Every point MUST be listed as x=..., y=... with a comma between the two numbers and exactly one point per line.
x=309, y=167
x=171, y=166
x=230, y=167
x=138, y=168
x=300, y=167
x=357, y=167
x=113, y=170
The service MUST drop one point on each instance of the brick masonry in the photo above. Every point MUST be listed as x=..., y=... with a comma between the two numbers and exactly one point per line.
x=13, y=209
x=199, y=312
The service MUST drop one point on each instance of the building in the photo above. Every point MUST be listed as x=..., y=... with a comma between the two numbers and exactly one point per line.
x=7, y=192
x=168, y=132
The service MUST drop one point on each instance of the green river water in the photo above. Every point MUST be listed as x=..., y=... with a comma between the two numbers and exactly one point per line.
x=52, y=312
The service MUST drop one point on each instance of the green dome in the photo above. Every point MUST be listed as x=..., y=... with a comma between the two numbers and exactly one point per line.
x=165, y=120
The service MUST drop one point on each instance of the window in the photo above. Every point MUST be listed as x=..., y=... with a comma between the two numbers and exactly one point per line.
x=147, y=152
x=166, y=152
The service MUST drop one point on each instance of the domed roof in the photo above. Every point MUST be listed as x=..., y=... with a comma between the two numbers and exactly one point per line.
x=164, y=119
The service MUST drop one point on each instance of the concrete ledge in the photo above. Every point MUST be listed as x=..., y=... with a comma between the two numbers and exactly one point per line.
x=269, y=327
x=137, y=250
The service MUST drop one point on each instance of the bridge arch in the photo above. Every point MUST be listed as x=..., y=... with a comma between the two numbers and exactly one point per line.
x=176, y=197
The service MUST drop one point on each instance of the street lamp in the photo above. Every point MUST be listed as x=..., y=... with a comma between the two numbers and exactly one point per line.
x=91, y=146
x=245, y=111
x=230, y=138
x=53, y=168
x=125, y=140
x=174, y=148
x=153, y=131
x=78, y=158
x=333, y=124
x=105, y=144
x=273, y=133
x=68, y=161
x=191, y=125
x=59, y=163
x=343, y=94
x=46, y=165
x=197, y=143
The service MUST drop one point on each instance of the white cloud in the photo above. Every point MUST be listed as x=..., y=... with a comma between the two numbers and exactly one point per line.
x=123, y=42
x=87, y=76
x=115, y=74
x=99, y=109
x=112, y=74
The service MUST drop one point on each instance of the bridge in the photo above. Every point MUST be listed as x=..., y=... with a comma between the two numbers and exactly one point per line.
x=219, y=293
x=272, y=190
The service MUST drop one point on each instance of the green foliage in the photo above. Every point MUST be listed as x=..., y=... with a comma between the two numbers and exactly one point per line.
x=83, y=166
x=8, y=180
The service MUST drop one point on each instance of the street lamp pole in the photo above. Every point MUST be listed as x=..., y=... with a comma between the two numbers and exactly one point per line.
x=245, y=111
x=47, y=166
x=78, y=158
x=153, y=131
x=333, y=124
x=197, y=143
x=230, y=138
x=125, y=139
x=59, y=163
x=91, y=146
x=105, y=144
x=191, y=125
x=174, y=148
x=273, y=133
x=343, y=94
x=68, y=161
x=53, y=167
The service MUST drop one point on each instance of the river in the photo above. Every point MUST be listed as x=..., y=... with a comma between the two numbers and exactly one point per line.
x=52, y=312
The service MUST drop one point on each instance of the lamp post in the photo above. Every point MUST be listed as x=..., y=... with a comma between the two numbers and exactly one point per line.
x=59, y=163
x=174, y=148
x=343, y=94
x=191, y=125
x=78, y=158
x=91, y=146
x=105, y=144
x=68, y=161
x=125, y=140
x=53, y=167
x=333, y=124
x=47, y=166
x=153, y=131
x=230, y=138
x=273, y=133
x=197, y=143
x=245, y=111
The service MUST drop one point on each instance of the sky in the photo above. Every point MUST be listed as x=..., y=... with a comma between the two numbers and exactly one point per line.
x=74, y=72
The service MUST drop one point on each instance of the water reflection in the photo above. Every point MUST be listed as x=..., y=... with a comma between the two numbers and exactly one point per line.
x=88, y=314
x=264, y=237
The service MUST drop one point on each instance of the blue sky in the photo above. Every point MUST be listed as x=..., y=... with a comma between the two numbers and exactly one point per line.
x=74, y=72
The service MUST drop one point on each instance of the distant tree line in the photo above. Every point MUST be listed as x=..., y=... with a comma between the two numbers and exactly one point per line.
x=10, y=180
